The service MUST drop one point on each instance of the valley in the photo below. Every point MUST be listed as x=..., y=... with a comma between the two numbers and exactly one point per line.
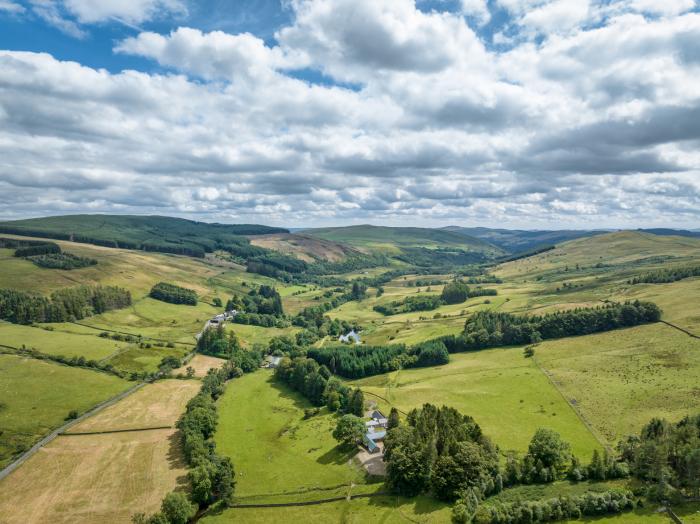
x=593, y=389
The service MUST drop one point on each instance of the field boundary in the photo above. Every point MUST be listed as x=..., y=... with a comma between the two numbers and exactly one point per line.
x=130, y=334
x=580, y=415
x=682, y=330
x=311, y=502
x=111, y=431
x=58, y=431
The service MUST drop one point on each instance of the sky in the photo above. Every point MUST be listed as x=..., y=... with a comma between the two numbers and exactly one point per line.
x=503, y=113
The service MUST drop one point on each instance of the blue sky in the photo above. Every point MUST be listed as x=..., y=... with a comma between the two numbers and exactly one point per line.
x=521, y=113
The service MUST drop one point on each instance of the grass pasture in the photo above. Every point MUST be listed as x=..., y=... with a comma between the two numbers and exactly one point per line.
x=506, y=394
x=278, y=454
x=60, y=343
x=36, y=396
x=105, y=477
x=621, y=379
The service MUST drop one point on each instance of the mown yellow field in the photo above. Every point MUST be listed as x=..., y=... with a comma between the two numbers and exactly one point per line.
x=154, y=405
x=201, y=365
x=104, y=477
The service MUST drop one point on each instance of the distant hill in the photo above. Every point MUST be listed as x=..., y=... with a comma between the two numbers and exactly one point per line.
x=149, y=233
x=420, y=246
x=518, y=241
x=305, y=247
x=621, y=250
x=674, y=232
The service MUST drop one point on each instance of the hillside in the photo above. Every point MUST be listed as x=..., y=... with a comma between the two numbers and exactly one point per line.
x=305, y=247
x=149, y=233
x=611, y=251
x=518, y=241
x=422, y=247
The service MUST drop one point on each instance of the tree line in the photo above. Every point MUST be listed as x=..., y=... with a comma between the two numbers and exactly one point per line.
x=63, y=305
x=37, y=249
x=65, y=261
x=46, y=254
x=173, y=294
x=591, y=503
x=318, y=385
x=363, y=361
x=490, y=329
x=454, y=292
x=211, y=476
x=665, y=276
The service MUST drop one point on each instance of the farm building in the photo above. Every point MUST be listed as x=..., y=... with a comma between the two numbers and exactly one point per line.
x=272, y=362
x=350, y=337
x=376, y=431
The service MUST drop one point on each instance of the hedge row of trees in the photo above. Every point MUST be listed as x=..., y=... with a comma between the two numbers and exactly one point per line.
x=440, y=451
x=212, y=477
x=489, y=328
x=64, y=305
x=38, y=249
x=173, y=294
x=64, y=261
x=666, y=455
x=317, y=384
x=363, y=361
x=664, y=276
x=408, y=304
x=562, y=508
x=453, y=293
x=14, y=243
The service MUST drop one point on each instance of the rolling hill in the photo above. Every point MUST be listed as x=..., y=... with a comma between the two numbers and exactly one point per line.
x=518, y=241
x=394, y=238
x=304, y=247
x=148, y=233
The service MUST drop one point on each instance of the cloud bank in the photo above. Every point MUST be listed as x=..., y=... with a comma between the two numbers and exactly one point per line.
x=579, y=114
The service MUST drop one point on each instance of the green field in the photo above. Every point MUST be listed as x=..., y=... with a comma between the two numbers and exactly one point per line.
x=53, y=342
x=621, y=379
x=36, y=397
x=506, y=393
x=275, y=451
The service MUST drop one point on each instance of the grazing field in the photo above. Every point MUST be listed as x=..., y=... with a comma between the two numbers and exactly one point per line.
x=621, y=379
x=250, y=335
x=276, y=452
x=53, y=342
x=201, y=365
x=105, y=477
x=506, y=393
x=154, y=405
x=36, y=396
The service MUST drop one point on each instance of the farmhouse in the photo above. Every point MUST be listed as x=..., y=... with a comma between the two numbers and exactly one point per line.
x=348, y=338
x=376, y=431
x=272, y=362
